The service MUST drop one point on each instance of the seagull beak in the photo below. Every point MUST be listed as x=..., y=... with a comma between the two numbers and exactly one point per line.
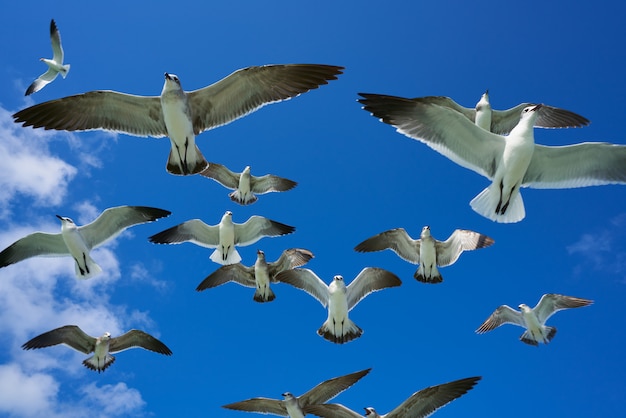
x=59, y=216
x=167, y=76
x=539, y=106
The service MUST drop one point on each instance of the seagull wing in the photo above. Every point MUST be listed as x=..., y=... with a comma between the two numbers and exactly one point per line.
x=222, y=175
x=306, y=280
x=248, y=89
x=445, y=130
x=551, y=303
x=448, y=251
x=113, y=221
x=237, y=273
x=262, y=405
x=469, y=113
x=194, y=231
x=328, y=389
x=331, y=410
x=69, y=335
x=503, y=315
x=578, y=165
x=41, y=81
x=293, y=257
x=396, y=240
x=55, y=40
x=503, y=121
x=137, y=338
x=37, y=244
x=370, y=279
x=426, y=401
x=258, y=227
x=270, y=183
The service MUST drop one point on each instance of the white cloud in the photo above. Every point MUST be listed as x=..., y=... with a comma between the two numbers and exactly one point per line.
x=113, y=400
x=26, y=395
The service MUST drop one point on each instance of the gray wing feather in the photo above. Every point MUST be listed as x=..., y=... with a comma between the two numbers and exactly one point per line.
x=270, y=183
x=36, y=244
x=503, y=121
x=396, y=240
x=328, y=389
x=503, y=315
x=331, y=410
x=370, y=279
x=55, y=40
x=137, y=338
x=448, y=251
x=222, y=175
x=306, y=280
x=293, y=257
x=261, y=405
x=193, y=230
x=70, y=335
x=258, y=227
x=237, y=273
x=41, y=81
x=551, y=303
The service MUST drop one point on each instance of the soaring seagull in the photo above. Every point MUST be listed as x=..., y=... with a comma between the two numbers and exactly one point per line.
x=260, y=275
x=533, y=319
x=296, y=406
x=102, y=347
x=223, y=236
x=426, y=251
x=55, y=65
x=503, y=121
x=339, y=298
x=509, y=162
x=78, y=241
x=419, y=405
x=178, y=114
x=246, y=185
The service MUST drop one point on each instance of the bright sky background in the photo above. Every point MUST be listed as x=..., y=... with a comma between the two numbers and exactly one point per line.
x=357, y=177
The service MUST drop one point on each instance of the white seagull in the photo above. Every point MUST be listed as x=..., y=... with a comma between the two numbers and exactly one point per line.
x=223, y=236
x=533, y=319
x=55, y=65
x=294, y=406
x=426, y=251
x=178, y=114
x=339, y=299
x=419, y=405
x=78, y=241
x=509, y=162
x=503, y=121
x=260, y=275
x=102, y=347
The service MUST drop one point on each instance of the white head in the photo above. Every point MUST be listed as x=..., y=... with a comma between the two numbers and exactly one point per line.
x=523, y=307
x=260, y=255
x=171, y=83
x=66, y=222
x=530, y=112
x=228, y=215
x=370, y=412
x=425, y=231
x=288, y=396
x=483, y=103
x=247, y=169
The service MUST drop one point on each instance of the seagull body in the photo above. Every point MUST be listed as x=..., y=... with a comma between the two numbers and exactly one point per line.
x=260, y=275
x=102, y=347
x=296, y=407
x=509, y=162
x=246, y=185
x=223, y=236
x=533, y=319
x=78, y=241
x=426, y=251
x=419, y=405
x=338, y=298
x=178, y=114
x=55, y=65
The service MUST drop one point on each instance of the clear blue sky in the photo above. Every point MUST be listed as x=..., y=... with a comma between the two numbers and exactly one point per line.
x=357, y=177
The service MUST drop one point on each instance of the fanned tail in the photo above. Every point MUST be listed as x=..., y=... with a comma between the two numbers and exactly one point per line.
x=91, y=269
x=99, y=364
x=193, y=163
x=232, y=257
x=266, y=294
x=340, y=333
x=65, y=69
x=246, y=199
x=433, y=278
x=487, y=202
x=547, y=335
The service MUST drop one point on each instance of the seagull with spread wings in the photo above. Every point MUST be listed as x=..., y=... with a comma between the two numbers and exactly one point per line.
x=55, y=65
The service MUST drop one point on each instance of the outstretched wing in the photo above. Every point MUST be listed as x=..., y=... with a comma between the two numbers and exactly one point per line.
x=396, y=240
x=70, y=335
x=448, y=251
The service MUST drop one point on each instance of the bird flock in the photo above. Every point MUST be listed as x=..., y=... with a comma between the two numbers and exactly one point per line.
x=496, y=144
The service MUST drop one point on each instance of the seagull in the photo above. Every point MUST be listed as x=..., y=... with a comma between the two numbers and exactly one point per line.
x=244, y=184
x=295, y=407
x=503, y=121
x=426, y=251
x=223, y=236
x=55, y=65
x=340, y=299
x=509, y=162
x=419, y=405
x=78, y=241
x=533, y=319
x=178, y=114
x=260, y=275
x=102, y=347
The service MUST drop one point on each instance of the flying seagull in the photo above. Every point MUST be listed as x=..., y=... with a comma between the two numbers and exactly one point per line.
x=246, y=185
x=503, y=121
x=294, y=406
x=260, y=275
x=419, y=405
x=533, y=319
x=78, y=241
x=509, y=162
x=340, y=299
x=223, y=236
x=178, y=114
x=426, y=251
x=55, y=65
x=102, y=347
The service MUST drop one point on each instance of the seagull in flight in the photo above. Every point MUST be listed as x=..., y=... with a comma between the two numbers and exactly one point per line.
x=223, y=236
x=260, y=275
x=419, y=405
x=55, y=65
x=510, y=162
x=339, y=298
x=78, y=241
x=533, y=319
x=246, y=185
x=426, y=251
x=102, y=347
x=178, y=114
x=294, y=406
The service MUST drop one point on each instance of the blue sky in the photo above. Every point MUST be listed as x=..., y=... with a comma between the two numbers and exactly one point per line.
x=357, y=177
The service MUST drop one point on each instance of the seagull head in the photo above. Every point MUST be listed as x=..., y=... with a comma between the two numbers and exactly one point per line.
x=260, y=255
x=227, y=214
x=105, y=337
x=288, y=396
x=171, y=83
x=369, y=411
x=338, y=278
x=247, y=169
x=65, y=220
x=523, y=307
x=425, y=231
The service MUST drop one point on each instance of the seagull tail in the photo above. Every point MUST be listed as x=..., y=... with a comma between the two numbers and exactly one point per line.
x=64, y=70
x=265, y=294
x=433, y=278
x=339, y=333
x=242, y=199
x=546, y=336
x=90, y=270
x=99, y=364
x=487, y=201
x=193, y=163
x=232, y=257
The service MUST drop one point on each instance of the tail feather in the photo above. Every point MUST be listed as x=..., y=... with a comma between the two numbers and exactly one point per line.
x=91, y=269
x=487, y=201
x=340, y=333
x=546, y=336
x=265, y=294
x=246, y=199
x=232, y=257
x=432, y=278
x=99, y=364
x=193, y=164
x=65, y=70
